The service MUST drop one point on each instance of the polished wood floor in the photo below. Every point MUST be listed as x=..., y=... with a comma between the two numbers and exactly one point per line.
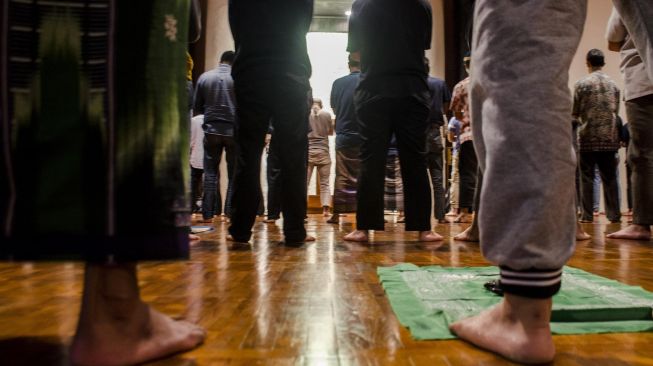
x=319, y=304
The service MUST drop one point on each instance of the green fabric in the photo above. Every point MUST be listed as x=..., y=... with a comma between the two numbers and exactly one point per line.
x=428, y=299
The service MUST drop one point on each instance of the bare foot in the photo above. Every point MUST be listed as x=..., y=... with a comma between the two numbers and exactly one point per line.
x=360, y=236
x=401, y=219
x=325, y=211
x=193, y=237
x=581, y=234
x=463, y=218
x=470, y=235
x=335, y=219
x=452, y=213
x=309, y=238
x=151, y=337
x=117, y=328
x=633, y=232
x=517, y=329
x=429, y=236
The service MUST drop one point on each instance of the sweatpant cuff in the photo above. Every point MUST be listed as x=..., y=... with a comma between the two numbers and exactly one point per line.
x=531, y=283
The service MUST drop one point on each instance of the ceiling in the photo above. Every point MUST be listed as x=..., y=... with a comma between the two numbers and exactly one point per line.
x=332, y=8
x=329, y=15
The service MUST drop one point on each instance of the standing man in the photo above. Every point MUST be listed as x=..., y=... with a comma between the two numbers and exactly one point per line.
x=318, y=151
x=215, y=99
x=392, y=97
x=527, y=215
x=348, y=141
x=271, y=74
x=440, y=99
x=596, y=105
x=467, y=161
x=639, y=107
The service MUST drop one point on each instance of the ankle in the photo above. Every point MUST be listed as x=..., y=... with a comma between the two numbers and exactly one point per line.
x=531, y=312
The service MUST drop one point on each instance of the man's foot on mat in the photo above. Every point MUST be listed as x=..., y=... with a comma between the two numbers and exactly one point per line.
x=517, y=329
x=469, y=235
x=429, y=236
x=632, y=232
x=360, y=236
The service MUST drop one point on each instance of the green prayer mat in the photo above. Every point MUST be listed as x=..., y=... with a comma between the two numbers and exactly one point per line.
x=428, y=299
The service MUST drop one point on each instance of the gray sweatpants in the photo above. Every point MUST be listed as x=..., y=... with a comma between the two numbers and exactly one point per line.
x=521, y=110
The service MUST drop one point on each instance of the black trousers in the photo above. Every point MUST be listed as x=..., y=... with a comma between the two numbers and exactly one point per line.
x=285, y=103
x=640, y=157
x=214, y=146
x=195, y=188
x=607, y=162
x=273, y=174
x=434, y=163
x=467, y=169
x=379, y=118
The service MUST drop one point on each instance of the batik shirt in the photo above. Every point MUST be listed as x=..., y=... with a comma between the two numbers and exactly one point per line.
x=460, y=104
x=596, y=105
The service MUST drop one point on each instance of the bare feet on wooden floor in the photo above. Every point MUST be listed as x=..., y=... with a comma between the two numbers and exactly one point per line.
x=117, y=328
x=470, y=235
x=581, y=234
x=429, y=236
x=633, y=232
x=360, y=236
x=517, y=329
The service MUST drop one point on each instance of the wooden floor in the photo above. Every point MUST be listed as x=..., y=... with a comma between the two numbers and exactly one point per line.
x=320, y=304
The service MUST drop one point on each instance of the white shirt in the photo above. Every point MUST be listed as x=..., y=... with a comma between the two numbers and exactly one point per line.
x=197, y=142
x=632, y=67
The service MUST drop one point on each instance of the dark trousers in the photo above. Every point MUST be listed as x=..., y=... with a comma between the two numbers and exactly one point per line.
x=286, y=104
x=467, y=169
x=434, y=164
x=273, y=174
x=607, y=163
x=214, y=146
x=640, y=157
x=379, y=118
x=195, y=188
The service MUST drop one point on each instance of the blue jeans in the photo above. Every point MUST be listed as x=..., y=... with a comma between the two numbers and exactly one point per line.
x=214, y=145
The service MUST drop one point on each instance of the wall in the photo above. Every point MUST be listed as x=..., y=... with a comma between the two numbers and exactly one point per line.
x=218, y=33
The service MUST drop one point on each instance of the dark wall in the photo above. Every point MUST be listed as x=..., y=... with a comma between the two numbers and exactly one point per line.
x=458, y=15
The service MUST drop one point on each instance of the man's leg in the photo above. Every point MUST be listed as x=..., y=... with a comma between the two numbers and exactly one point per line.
x=274, y=184
x=375, y=132
x=117, y=328
x=527, y=221
x=434, y=163
x=607, y=163
x=471, y=234
x=211, y=176
x=410, y=129
x=640, y=159
x=467, y=168
x=587, y=172
x=291, y=109
x=253, y=119
x=324, y=172
x=196, y=187
x=231, y=152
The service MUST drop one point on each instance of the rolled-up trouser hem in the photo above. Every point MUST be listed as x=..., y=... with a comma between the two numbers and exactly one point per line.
x=531, y=283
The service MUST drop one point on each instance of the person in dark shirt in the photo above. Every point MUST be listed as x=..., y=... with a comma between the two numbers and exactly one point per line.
x=392, y=98
x=271, y=75
x=215, y=99
x=348, y=142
